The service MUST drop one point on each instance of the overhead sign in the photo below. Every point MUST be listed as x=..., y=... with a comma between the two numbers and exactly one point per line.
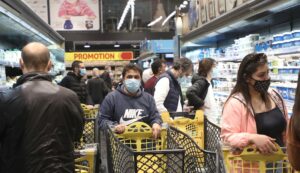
x=98, y=56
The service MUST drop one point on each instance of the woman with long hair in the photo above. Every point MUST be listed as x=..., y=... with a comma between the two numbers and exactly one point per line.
x=254, y=114
x=200, y=94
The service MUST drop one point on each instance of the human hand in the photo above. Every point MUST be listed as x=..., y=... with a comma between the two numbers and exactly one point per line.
x=263, y=143
x=187, y=108
x=156, y=130
x=89, y=106
x=120, y=128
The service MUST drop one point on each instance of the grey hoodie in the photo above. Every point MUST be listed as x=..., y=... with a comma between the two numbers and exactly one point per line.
x=118, y=105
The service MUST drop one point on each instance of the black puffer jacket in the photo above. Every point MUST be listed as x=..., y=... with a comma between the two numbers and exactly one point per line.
x=76, y=84
x=197, y=92
x=39, y=121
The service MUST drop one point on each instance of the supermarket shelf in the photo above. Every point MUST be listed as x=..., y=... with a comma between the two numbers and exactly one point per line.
x=18, y=18
x=285, y=67
x=291, y=85
x=9, y=64
x=280, y=77
x=222, y=93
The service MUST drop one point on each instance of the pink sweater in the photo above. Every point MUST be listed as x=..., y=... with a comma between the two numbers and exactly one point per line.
x=238, y=120
x=80, y=8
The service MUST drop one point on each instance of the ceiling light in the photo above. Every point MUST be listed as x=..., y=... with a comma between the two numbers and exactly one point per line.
x=116, y=45
x=87, y=45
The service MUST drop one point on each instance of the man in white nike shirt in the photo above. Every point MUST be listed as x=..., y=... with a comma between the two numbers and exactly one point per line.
x=129, y=103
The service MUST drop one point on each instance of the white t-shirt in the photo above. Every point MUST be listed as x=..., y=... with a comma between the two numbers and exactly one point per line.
x=211, y=107
x=162, y=89
x=147, y=74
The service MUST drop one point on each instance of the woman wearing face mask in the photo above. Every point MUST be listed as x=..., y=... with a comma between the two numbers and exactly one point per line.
x=254, y=114
x=200, y=94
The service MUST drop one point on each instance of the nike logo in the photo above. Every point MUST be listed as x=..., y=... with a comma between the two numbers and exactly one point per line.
x=128, y=122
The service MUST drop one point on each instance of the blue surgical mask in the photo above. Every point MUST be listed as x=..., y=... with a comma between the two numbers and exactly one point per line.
x=132, y=85
x=82, y=71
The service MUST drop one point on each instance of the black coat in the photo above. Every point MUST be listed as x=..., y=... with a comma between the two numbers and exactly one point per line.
x=197, y=92
x=96, y=90
x=76, y=84
x=39, y=121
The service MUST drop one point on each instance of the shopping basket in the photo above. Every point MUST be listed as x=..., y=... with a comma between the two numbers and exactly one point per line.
x=196, y=159
x=88, y=135
x=191, y=124
x=249, y=160
x=135, y=151
x=86, y=159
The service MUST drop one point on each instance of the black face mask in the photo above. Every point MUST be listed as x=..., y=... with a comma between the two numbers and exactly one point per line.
x=262, y=86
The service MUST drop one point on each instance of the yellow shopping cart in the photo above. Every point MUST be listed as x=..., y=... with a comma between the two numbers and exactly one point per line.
x=249, y=160
x=135, y=151
x=191, y=124
x=86, y=160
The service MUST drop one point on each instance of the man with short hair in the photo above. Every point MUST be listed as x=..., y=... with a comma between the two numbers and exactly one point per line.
x=129, y=103
x=96, y=88
x=75, y=81
x=158, y=67
x=39, y=120
x=168, y=94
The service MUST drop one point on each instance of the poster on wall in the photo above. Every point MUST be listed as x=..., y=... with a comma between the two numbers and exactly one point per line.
x=222, y=6
x=40, y=7
x=193, y=14
x=211, y=9
x=74, y=15
x=203, y=12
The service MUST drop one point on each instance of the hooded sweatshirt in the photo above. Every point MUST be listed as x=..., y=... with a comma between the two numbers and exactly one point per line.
x=119, y=107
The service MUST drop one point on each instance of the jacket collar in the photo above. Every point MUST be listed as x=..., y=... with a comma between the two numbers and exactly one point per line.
x=33, y=76
x=274, y=96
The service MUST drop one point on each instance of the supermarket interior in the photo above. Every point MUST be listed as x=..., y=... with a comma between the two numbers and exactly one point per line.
x=108, y=35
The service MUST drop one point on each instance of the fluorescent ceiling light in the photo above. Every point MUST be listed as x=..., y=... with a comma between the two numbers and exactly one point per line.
x=155, y=21
x=116, y=45
x=87, y=46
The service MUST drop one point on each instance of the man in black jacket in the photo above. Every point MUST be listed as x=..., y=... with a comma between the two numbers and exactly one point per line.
x=75, y=82
x=96, y=89
x=39, y=121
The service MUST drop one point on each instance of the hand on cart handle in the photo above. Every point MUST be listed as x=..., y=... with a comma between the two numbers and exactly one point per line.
x=156, y=128
x=265, y=145
x=120, y=128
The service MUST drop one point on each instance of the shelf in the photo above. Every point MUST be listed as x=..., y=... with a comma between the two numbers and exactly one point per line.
x=285, y=67
x=21, y=25
x=9, y=64
x=250, y=16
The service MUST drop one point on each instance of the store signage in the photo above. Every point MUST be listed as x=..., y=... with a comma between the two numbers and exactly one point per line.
x=98, y=56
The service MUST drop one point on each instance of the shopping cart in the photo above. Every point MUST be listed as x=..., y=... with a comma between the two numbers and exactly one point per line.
x=249, y=160
x=89, y=112
x=212, y=136
x=191, y=124
x=196, y=159
x=88, y=135
x=135, y=151
x=86, y=159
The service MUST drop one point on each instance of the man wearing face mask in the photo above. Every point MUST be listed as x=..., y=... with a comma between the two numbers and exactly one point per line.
x=129, y=103
x=168, y=95
x=75, y=82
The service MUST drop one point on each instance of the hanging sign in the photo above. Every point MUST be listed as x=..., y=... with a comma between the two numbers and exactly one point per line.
x=98, y=56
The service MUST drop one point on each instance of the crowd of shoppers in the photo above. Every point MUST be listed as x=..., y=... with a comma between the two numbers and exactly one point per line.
x=40, y=121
